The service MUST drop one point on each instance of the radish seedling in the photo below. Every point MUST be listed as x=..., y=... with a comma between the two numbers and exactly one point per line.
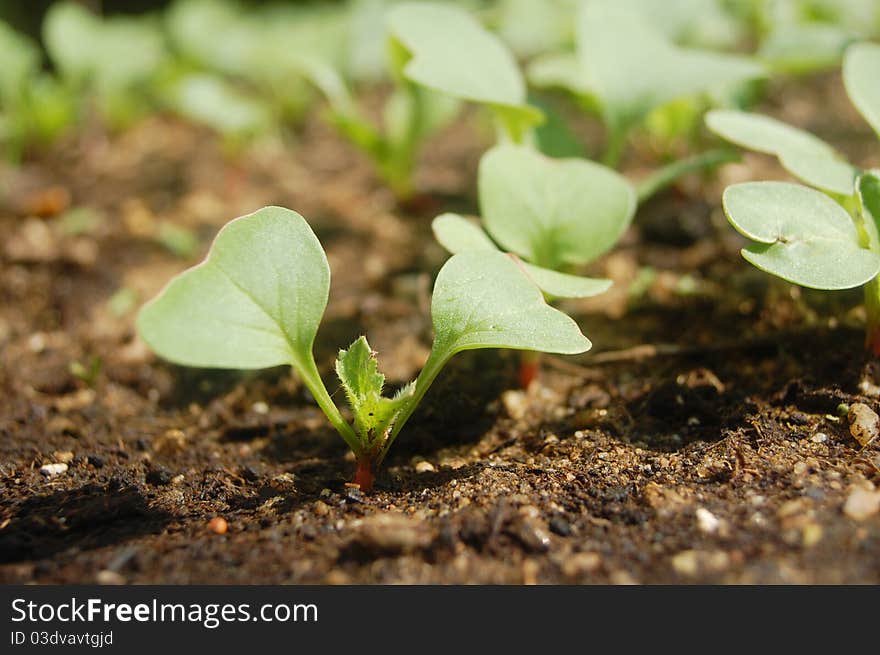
x=803, y=235
x=258, y=298
x=555, y=214
x=445, y=49
x=439, y=55
x=625, y=68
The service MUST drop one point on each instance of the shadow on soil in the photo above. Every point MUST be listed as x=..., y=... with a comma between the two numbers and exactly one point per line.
x=85, y=518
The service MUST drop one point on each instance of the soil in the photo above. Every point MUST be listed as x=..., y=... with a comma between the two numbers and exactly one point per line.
x=702, y=440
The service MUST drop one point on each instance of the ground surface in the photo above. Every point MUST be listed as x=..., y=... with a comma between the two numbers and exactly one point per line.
x=715, y=454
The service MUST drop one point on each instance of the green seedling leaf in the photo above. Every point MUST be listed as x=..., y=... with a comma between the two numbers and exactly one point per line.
x=560, y=70
x=803, y=155
x=110, y=53
x=804, y=47
x=452, y=53
x=484, y=300
x=457, y=234
x=212, y=101
x=256, y=301
x=802, y=235
x=634, y=68
x=21, y=60
x=552, y=212
x=374, y=414
x=861, y=76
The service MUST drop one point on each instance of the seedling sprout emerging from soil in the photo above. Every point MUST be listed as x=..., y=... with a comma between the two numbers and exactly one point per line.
x=822, y=239
x=439, y=56
x=553, y=215
x=625, y=69
x=258, y=298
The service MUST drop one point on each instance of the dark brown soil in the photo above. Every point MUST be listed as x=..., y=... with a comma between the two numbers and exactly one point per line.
x=701, y=440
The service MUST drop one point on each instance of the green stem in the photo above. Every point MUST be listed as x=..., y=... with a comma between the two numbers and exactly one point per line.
x=308, y=371
x=429, y=373
x=614, y=147
x=872, y=310
x=666, y=175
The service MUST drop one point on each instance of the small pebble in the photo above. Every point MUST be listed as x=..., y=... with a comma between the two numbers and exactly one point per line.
x=425, y=467
x=707, y=521
x=581, y=563
x=819, y=437
x=52, y=470
x=862, y=504
x=108, y=577
x=96, y=460
x=864, y=424
x=560, y=526
x=64, y=457
x=218, y=525
x=321, y=508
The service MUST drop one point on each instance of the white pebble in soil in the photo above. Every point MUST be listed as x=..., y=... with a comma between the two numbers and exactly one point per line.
x=707, y=521
x=864, y=424
x=53, y=470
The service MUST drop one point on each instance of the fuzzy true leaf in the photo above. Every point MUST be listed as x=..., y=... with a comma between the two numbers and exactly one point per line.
x=256, y=300
x=373, y=414
x=803, y=155
x=457, y=234
x=452, y=53
x=484, y=300
x=635, y=68
x=552, y=212
x=802, y=235
x=861, y=75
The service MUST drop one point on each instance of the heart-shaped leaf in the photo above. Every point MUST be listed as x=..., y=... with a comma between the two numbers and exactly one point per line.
x=452, y=53
x=634, y=68
x=256, y=300
x=803, y=235
x=457, y=234
x=803, y=155
x=861, y=75
x=552, y=212
x=484, y=300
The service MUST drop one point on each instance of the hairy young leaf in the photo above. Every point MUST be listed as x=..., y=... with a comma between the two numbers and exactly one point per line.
x=803, y=155
x=552, y=212
x=861, y=76
x=802, y=235
x=457, y=234
x=452, y=53
x=635, y=68
x=374, y=414
x=484, y=300
x=256, y=301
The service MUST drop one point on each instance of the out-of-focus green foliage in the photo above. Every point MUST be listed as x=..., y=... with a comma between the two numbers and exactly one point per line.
x=34, y=108
x=115, y=59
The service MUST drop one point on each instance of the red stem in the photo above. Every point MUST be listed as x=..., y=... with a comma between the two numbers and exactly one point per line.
x=364, y=475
